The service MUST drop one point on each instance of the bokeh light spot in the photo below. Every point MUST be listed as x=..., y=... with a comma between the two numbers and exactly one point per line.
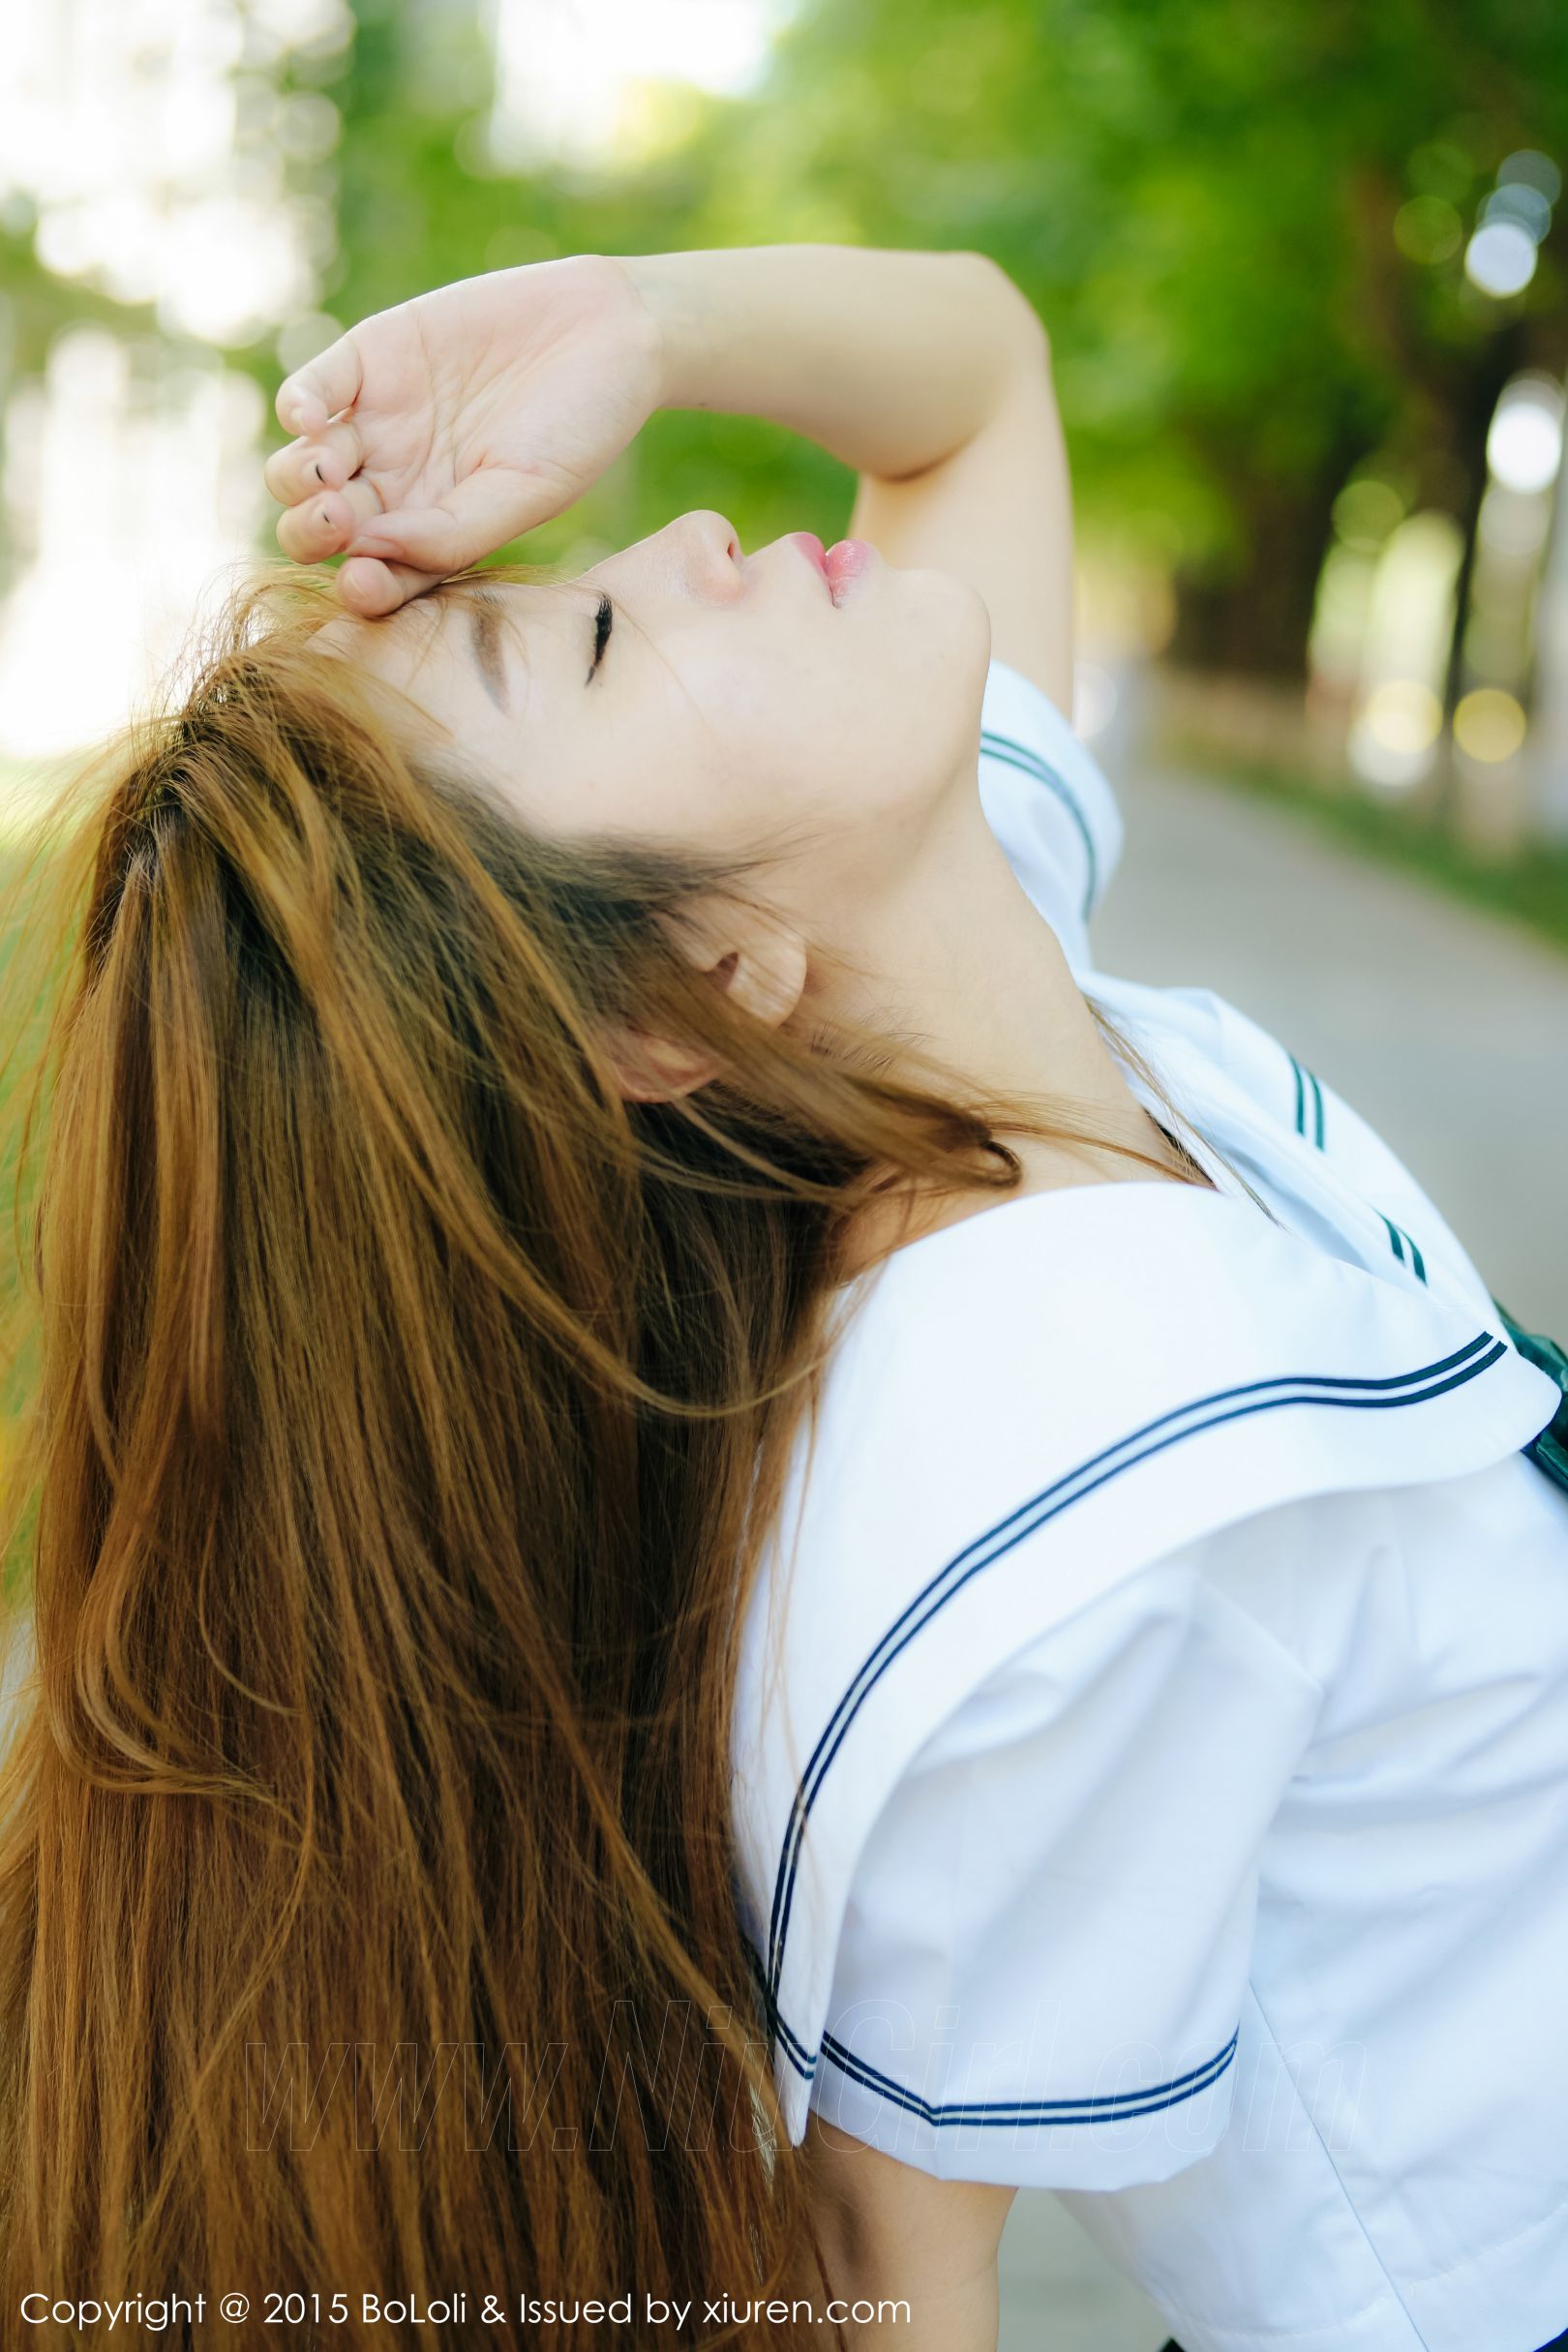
x=1500, y=258
x=1365, y=512
x=1525, y=439
x=1428, y=230
x=1489, y=725
x=1528, y=167
x=1521, y=203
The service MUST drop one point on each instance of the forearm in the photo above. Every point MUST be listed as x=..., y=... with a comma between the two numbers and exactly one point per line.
x=922, y=2249
x=905, y=2299
x=890, y=360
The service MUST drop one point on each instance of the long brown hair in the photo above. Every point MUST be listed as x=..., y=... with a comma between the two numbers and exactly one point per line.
x=404, y=1414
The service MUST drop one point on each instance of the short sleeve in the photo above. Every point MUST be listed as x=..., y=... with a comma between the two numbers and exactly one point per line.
x=1042, y=1966
x=1047, y=801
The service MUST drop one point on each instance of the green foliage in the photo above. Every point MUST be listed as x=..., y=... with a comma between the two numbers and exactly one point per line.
x=1207, y=202
x=1242, y=226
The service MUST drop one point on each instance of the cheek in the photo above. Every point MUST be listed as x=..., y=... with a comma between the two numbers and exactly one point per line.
x=857, y=719
x=712, y=787
x=798, y=723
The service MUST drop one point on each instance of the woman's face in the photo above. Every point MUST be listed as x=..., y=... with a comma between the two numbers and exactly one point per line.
x=741, y=703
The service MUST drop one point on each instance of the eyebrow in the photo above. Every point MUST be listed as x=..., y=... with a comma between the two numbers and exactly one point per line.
x=484, y=623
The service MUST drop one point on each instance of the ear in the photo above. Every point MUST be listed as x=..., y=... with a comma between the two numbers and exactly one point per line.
x=758, y=961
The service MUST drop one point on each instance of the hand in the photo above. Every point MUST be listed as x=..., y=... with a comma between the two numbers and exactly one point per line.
x=433, y=433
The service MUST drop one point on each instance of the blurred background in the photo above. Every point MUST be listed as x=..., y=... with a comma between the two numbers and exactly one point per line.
x=1303, y=271
x=1299, y=267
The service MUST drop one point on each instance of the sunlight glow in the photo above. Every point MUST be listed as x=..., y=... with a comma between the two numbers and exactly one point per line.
x=134, y=496
x=151, y=143
x=568, y=70
x=1525, y=439
x=1405, y=632
x=117, y=119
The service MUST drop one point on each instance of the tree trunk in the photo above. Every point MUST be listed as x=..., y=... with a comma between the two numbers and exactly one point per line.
x=1469, y=421
x=1254, y=618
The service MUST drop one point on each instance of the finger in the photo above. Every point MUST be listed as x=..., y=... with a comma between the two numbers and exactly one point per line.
x=324, y=526
x=314, y=393
x=477, y=515
x=325, y=461
x=373, y=588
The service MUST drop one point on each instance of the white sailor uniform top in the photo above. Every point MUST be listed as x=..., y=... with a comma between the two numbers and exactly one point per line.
x=1151, y=1763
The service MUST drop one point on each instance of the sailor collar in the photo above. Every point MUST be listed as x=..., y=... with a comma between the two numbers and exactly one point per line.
x=1020, y=1411
x=1248, y=1105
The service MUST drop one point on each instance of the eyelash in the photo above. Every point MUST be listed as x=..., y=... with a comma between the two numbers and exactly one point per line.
x=604, y=622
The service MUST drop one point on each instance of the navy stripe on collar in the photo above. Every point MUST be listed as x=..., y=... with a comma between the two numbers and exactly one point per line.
x=1012, y=754
x=1400, y=1241
x=1328, y=1390
x=1304, y=1107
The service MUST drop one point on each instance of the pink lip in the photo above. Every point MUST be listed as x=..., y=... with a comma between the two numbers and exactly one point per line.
x=810, y=545
x=845, y=561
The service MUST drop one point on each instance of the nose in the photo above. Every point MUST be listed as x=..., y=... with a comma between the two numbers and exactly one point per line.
x=713, y=550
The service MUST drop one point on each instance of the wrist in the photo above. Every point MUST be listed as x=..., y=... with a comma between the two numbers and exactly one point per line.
x=673, y=320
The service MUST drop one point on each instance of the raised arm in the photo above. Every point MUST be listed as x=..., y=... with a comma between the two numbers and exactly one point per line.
x=432, y=434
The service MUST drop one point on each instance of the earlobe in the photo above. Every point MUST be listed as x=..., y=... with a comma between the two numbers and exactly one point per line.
x=767, y=980
x=657, y=1070
x=759, y=962
x=757, y=957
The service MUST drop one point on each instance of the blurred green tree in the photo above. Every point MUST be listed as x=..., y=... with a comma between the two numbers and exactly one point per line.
x=1242, y=227
x=419, y=200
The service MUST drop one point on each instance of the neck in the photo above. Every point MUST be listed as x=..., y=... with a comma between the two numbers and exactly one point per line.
x=967, y=969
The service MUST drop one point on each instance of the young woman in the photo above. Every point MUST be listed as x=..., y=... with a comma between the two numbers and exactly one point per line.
x=696, y=1490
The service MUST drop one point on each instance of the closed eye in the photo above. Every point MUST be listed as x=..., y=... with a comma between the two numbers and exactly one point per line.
x=603, y=622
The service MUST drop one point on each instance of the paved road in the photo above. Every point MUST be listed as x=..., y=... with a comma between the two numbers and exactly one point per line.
x=1447, y=1029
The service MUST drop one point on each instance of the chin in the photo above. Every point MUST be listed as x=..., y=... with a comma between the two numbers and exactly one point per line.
x=956, y=642
x=956, y=616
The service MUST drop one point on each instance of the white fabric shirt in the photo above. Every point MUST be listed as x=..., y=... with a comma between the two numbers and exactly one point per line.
x=1150, y=1774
